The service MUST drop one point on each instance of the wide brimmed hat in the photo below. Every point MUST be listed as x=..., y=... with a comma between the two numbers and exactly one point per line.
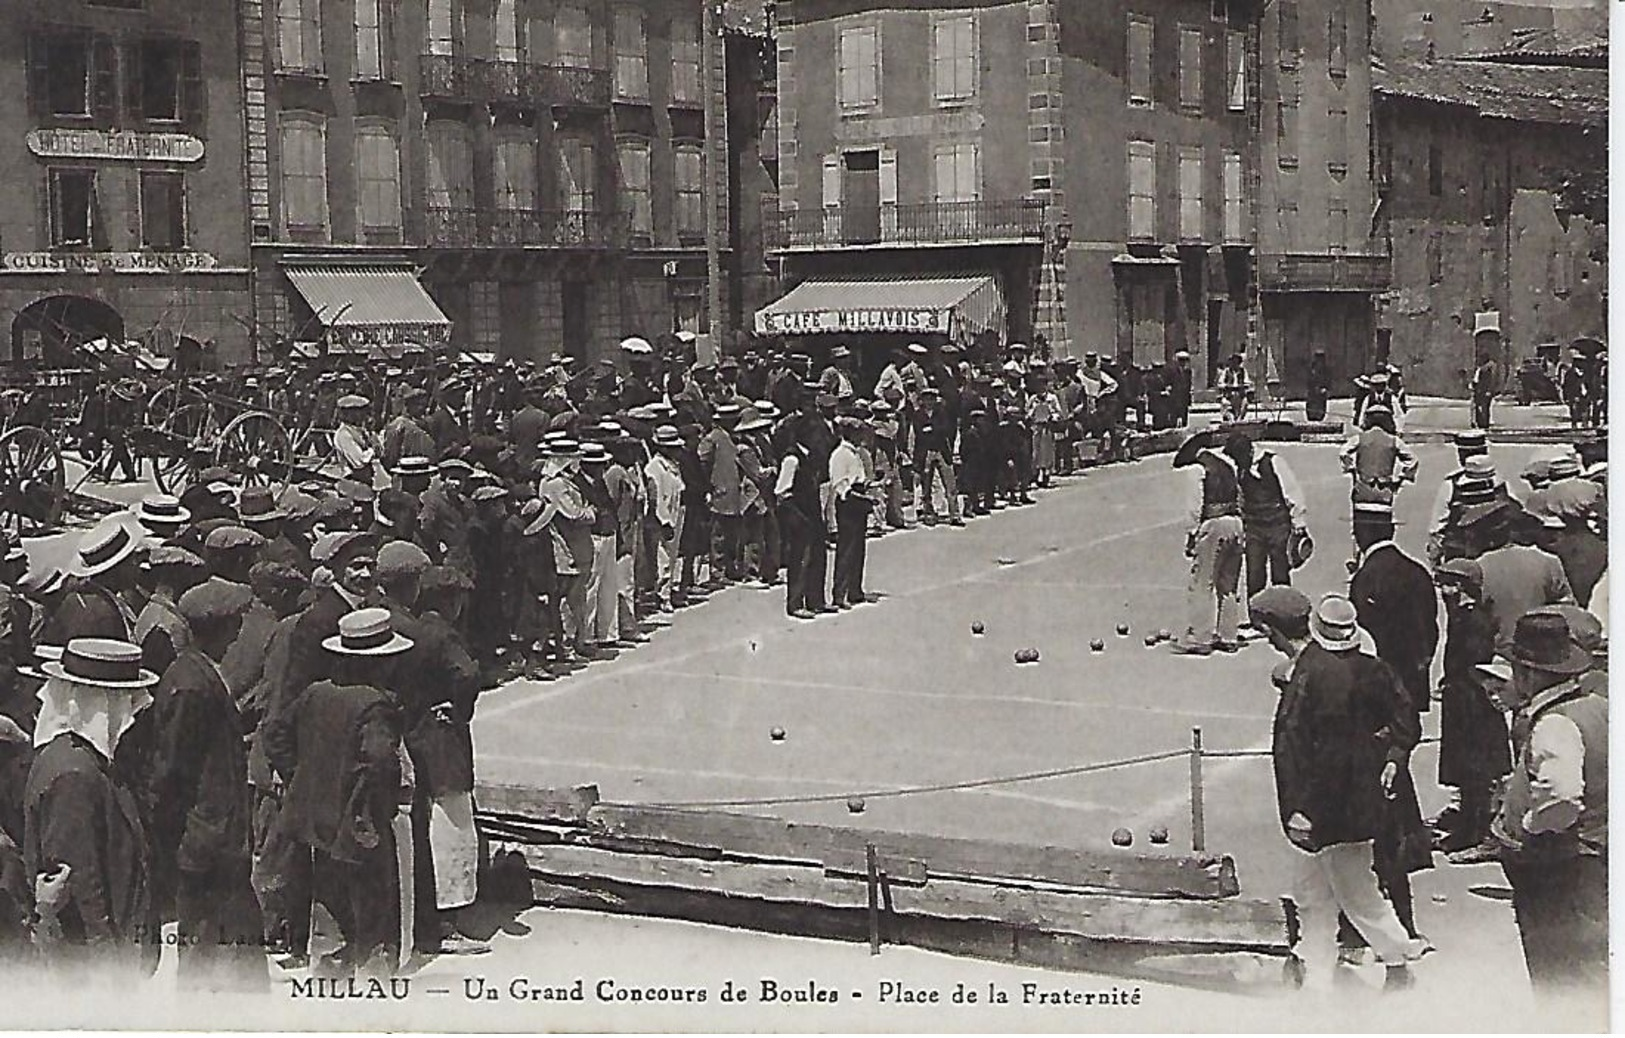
x=1565, y=467
x=1487, y=321
x=1335, y=625
x=353, y=402
x=727, y=412
x=668, y=436
x=1472, y=440
x=104, y=547
x=104, y=663
x=47, y=581
x=162, y=510
x=561, y=448
x=1542, y=641
x=414, y=465
x=750, y=419
x=595, y=454
x=258, y=505
x=1205, y=439
x=367, y=632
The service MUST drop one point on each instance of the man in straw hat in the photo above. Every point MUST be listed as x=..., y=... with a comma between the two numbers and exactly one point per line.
x=102, y=601
x=664, y=474
x=1518, y=576
x=1379, y=463
x=1487, y=377
x=356, y=446
x=160, y=629
x=1216, y=550
x=1473, y=746
x=1553, y=822
x=338, y=745
x=162, y=516
x=81, y=815
x=1342, y=733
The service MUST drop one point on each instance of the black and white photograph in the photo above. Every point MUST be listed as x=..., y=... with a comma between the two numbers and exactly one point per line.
x=804, y=515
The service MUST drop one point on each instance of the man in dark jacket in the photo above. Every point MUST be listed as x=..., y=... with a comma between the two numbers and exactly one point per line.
x=1342, y=732
x=202, y=811
x=1399, y=607
x=338, y=743
x=80, y=812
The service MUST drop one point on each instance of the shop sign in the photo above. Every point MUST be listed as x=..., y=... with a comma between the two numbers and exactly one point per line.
x=393, y=335
x=117, y=145
x=107, y=262
x=853, y=322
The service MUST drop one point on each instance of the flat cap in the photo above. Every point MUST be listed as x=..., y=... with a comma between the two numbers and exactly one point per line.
x=228, y=538
x=1285, y=609
x=401, y=559
x=215, y=599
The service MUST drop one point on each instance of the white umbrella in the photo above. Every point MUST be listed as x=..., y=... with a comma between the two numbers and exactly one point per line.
x=636, y=344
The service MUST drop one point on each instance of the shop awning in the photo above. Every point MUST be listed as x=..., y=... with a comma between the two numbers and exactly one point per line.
x=958, y=307
x=360, y=297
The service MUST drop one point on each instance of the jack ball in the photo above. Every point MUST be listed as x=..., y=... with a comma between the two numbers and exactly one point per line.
x=777, y=735
x=855, y=805
x=1122, y=838
x=1159, y=834
x=1097, y=646
x=977, y=627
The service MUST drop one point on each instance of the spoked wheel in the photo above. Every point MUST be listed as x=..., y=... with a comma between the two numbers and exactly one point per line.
x=33, y=486
x=190, y=431
x=256, y=446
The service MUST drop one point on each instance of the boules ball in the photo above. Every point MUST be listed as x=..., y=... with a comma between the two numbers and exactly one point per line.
x=777, y=735
x=855, y=805
x=1159, y=834
x=1097, y=646
x=1122, y=838
x=1122, y=630
x=1165, y=635
x=1150, y=641
x=978, y=627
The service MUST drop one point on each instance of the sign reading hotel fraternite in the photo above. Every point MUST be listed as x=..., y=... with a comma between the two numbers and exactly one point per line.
x=117, y=145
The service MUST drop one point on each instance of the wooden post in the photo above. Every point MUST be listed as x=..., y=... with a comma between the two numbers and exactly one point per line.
x=874, y=899
x=1198, y=824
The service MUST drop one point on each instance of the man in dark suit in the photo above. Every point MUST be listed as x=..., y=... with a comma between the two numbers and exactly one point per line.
x=338, y=743
x=80, y=813
x=1399, y=606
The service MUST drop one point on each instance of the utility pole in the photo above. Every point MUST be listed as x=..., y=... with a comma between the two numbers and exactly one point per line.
x=714, y=73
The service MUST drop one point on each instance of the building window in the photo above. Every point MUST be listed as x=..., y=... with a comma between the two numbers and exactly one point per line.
x=371, y=54
x=1235, y=55
x=74, y=223
x=1142, y=190
x=299, y=35
x=957, y=172
x=1337, y=225
x=953, y=57
x=509, y=45
x=163, y=211
x=1337, y=41
x=1190, y=194
x=1141, y=36
x=634, y=163
x=1286, y=123
x=631, y=55
x=443, y=19
x=378, y=179
x=304, y=173
x=578, y=175
x=1435, y=170
x=859, y=83
x=685, y=58
x=450, y=181
x=1190, y=68
x=1286, y=225
x=67, y=73
x=690, y=193
x=1235, y=198
x=166, y=80
x=1287, y=41
x=1337, y=141
x=1435, y=257
x=513, y=173
x=572, y=30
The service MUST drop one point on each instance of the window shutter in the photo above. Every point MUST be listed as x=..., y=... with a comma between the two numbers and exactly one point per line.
x=386, y=37
x=39, y=82
x=104, y=82
x=311, y=26
x=832, y=181
x=132, y=80
x=888, y=176
x=192, y=95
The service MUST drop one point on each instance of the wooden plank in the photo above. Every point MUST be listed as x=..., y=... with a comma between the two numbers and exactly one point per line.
x=536, y=805
x=1230, y=922
x=899, y=870
x=777, y=839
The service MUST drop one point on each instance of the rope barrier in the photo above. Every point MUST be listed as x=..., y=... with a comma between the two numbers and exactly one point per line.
x=944, y=787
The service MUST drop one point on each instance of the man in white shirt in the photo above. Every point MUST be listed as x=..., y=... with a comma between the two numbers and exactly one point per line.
x=849, y=504
x=665, y=482
x=356, y=446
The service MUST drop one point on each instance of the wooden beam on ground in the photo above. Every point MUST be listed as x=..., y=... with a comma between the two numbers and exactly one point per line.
x=659, y=885
x=536, y=805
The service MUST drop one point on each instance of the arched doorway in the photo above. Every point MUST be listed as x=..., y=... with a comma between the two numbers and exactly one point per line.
x=48, y=332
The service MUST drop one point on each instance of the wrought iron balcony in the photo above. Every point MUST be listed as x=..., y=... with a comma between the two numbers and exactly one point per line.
x=929, y=223
x=468, y=227
x=521, y=82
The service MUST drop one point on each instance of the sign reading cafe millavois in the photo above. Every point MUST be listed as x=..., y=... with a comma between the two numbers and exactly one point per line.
x=117, y=145
x=836, y=322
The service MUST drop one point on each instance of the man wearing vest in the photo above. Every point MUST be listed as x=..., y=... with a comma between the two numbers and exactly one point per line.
x=1380, y=463
x=1271, y=508
x=1553, y=825
x=1214, y=547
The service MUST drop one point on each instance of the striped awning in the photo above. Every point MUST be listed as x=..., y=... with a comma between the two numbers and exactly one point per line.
x=367, y=297
x=958, y=307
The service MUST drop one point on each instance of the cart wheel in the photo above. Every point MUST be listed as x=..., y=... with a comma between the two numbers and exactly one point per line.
x=256, y=446
x=187, y=431
x=33, y=486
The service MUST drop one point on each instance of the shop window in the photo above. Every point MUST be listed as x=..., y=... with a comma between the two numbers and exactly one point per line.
x=73, y=208
x=163, y=211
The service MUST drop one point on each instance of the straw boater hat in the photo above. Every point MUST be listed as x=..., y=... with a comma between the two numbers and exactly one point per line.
x=104, y=663
x=353, y=402
x=104, y=547
x=367, y=632
x=1566, y=466
x=1542, y=641
x=668, y=436
x=750, y=419
x=162, y=510
x=413, y=465
x=1335, y=625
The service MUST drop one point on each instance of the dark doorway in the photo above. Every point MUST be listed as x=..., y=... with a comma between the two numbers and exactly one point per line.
x=860, y=192
x=576, y=307
x=49, y=332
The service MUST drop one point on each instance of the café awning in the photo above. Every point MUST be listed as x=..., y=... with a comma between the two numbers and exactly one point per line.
x=352, y=298
x=958, y=307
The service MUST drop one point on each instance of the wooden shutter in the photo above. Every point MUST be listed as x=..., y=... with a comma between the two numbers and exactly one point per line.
x=39, y=81
x=888, y=192
x=104, y=85
x=193, y=111
x=310, y=25
x=386, y=37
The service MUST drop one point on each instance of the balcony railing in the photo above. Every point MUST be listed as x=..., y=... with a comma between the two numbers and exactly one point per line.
x=929, y=223
x=521, y=82
x=468, y=227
